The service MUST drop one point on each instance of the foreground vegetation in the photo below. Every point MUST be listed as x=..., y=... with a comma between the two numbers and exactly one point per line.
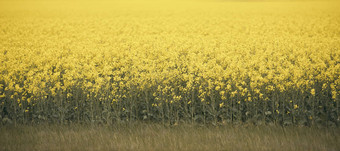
x=170, y=62
x=153, y=137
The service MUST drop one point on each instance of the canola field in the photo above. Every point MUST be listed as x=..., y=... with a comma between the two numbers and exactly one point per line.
x=170, y=62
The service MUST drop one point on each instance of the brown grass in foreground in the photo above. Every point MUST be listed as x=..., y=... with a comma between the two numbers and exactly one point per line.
x=158, y=137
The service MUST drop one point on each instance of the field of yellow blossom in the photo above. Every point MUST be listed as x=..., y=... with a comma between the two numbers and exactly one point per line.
x=171, y=62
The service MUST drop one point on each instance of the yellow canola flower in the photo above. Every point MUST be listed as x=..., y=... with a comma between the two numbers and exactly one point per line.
x=221, y=105
x=312, y=92
x=296, y=106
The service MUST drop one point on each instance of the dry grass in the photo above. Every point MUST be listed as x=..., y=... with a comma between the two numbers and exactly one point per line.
x=157, y=137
